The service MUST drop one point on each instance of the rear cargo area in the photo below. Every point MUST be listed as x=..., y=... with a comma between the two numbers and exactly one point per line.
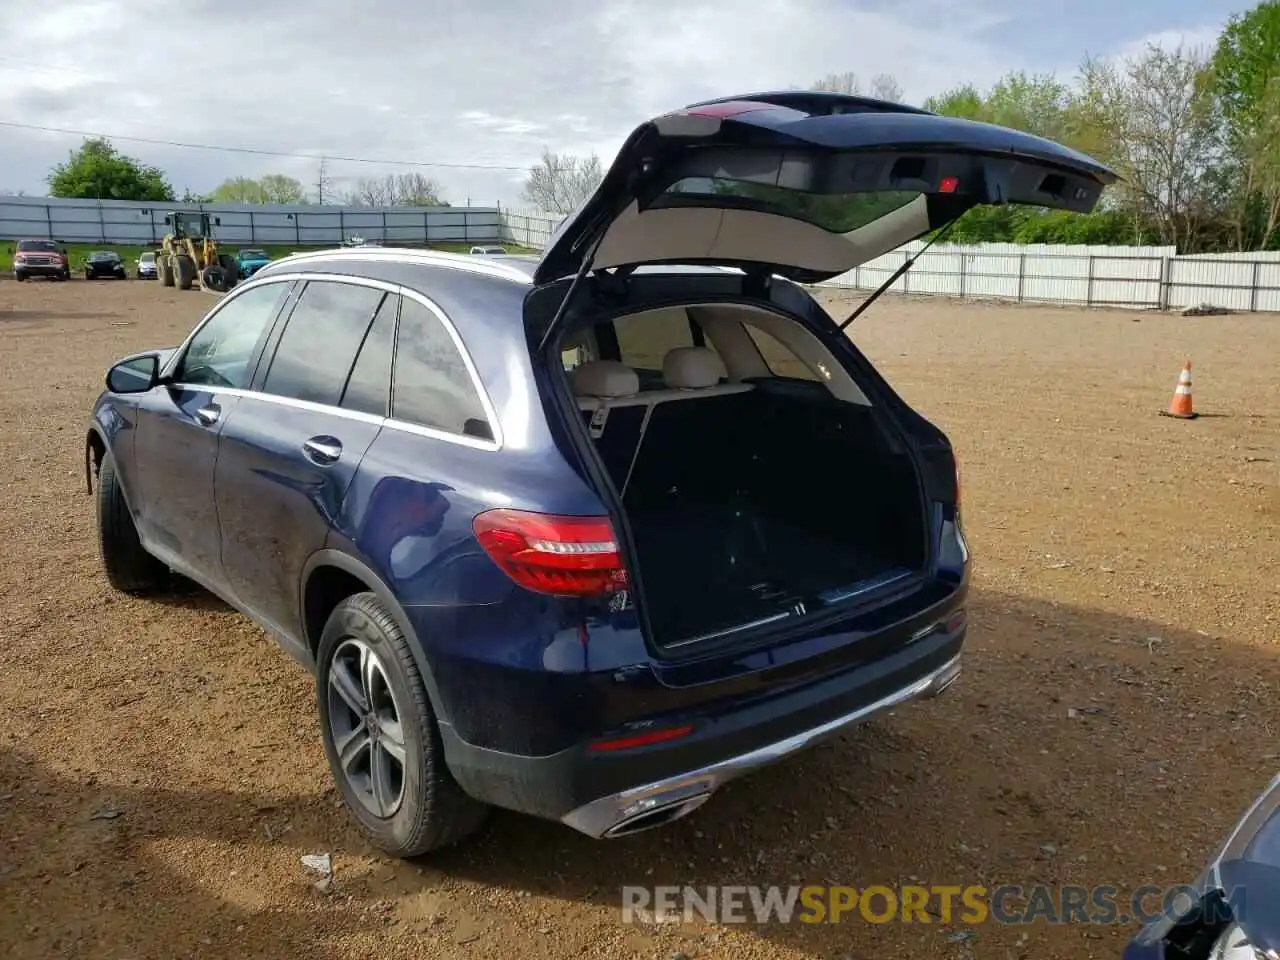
x=746, y=499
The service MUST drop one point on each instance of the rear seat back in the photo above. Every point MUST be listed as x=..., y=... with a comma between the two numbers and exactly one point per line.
x=621, y=417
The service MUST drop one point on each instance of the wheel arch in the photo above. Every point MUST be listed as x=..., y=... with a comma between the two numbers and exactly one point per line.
x=95, y=448
x=329, y=577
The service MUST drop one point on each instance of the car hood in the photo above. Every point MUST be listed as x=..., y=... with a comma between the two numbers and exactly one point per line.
x=805, y=185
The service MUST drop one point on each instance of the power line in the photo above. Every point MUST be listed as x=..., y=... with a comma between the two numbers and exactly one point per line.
x=265, y=153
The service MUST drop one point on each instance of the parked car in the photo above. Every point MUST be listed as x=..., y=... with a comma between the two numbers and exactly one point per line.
x=585, y=536
x=145, y=266
x=1232, y=910
x=489, y=251
x=250, y=260
x=104, y=263
x=40, y=258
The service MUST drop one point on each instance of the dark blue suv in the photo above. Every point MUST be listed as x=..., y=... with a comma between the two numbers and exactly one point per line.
x=587, y=535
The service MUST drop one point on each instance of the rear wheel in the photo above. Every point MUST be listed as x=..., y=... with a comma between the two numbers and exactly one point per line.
x=128, y=566
x=184, y=270
x=381, y=738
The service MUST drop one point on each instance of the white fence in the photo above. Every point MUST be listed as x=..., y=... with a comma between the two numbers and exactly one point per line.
x=1135, y=277
x=127, y=222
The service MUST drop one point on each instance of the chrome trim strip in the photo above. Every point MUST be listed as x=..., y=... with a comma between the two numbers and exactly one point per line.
x=599, y=817
x=474, y=442
x=728, y=631
x=840, y=595
x=434, y=433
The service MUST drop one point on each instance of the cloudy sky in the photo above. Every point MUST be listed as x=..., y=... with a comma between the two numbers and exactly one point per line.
x=477, y=90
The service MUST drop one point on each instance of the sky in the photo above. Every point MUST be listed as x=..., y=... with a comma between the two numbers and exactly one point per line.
x=472, y=94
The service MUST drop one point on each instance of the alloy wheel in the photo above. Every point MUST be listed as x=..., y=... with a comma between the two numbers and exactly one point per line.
x=366, y=729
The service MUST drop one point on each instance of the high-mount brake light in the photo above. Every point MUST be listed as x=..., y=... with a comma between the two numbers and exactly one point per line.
x=563, y=556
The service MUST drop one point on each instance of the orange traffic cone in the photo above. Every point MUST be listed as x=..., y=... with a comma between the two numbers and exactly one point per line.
x=1181, y=406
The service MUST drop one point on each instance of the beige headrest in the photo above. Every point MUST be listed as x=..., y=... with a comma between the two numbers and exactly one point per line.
x=604, y=378
x=686, y=368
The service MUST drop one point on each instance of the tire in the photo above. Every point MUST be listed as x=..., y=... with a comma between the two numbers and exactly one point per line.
x=184, y=271
x=20, y=277
x=164, y=269
x=430, y=810
x=129, y=568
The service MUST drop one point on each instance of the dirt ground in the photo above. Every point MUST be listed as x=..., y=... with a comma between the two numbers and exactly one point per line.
x=161, y=771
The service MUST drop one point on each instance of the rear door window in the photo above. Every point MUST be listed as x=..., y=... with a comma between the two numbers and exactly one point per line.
x=369, y=386
x=431, y=385
x=320, y=341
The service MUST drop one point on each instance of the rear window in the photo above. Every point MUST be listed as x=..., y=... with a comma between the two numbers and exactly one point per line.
x=29, y=246
x=835, y=212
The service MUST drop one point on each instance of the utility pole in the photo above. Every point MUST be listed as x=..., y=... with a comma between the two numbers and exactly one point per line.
x=322, y=181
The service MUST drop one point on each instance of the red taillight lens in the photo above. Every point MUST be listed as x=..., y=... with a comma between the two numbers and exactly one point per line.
x=949, y=185
x=566, y=556
x=641, y=739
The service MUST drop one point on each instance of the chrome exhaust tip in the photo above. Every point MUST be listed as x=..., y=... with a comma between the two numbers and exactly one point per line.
x=659, y=816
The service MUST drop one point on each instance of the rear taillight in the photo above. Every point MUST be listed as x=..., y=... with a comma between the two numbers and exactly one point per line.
x=565, y=556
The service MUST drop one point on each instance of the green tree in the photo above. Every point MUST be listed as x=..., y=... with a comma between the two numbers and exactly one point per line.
x=282, y=189
x=1244, y=77
x=99, y=171
x=273, y=188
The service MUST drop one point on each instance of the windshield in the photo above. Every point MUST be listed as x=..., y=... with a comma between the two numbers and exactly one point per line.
x=258, y=254
x=102, y=255
x=147, y=258
x=41, y=245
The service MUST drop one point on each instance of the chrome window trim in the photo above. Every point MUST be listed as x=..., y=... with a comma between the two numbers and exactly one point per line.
x=462, y=439
x=432, y=432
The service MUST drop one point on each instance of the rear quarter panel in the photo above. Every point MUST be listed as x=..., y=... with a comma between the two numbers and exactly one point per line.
x=507, y=663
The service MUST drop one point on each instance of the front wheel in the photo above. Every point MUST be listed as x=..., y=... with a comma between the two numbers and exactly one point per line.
x=381, y=738
x=129, y=568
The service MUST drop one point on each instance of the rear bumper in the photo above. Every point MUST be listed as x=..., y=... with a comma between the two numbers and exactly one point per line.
x=655, y=804
x=617, y=792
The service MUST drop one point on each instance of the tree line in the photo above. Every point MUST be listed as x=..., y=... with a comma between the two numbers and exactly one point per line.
x=1195, y=135
x=98, y=170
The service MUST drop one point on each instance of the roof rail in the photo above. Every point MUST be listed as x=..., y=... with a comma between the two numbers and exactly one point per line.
x=457, y=261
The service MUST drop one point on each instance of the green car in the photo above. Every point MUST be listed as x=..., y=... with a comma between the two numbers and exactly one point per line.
x=250, y=260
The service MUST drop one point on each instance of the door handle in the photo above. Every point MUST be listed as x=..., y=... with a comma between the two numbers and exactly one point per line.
x=323, y=449
x=209, y=415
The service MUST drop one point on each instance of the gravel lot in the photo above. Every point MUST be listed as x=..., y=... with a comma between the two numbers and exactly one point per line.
x=161, y=770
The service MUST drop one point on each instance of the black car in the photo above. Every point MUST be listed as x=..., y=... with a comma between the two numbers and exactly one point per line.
x=589, y=535
x=104, y=263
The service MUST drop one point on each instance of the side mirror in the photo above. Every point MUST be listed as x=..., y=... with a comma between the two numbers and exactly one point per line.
x=168, y=219
x=217, y=221
x=135, y=375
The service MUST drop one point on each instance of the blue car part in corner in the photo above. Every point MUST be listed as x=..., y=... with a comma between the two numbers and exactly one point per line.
x=1232, y=910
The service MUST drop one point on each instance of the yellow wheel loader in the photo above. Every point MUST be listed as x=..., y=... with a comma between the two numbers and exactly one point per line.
x=188, y=255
